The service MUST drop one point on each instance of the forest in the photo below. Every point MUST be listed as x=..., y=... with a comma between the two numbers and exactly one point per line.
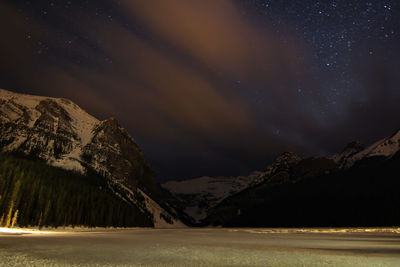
x=33, y=193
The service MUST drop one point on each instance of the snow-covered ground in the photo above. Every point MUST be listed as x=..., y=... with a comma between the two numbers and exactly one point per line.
x=203, y=247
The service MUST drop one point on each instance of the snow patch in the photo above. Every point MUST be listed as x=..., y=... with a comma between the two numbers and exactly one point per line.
x=69, y=164
x=201, y=194
x=386, y=147
x=157, y=211
x=148, y=205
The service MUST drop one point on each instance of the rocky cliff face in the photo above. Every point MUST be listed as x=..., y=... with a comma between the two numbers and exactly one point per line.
x=54, y=130
x=62, y=134
x=114, y=153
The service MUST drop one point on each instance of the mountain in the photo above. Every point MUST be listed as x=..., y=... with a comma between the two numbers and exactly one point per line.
x=198, y=196
x=357, y=187
x=347, y=153
x=61, y=166
x=354, y=152
x=63, y=135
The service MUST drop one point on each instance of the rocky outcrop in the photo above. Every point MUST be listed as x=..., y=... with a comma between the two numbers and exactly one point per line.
x=113, y=152
x=347, y=153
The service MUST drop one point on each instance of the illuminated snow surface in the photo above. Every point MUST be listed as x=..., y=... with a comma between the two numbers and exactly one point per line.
x=202, y=247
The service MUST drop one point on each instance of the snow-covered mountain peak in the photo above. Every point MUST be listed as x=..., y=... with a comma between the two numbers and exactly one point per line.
x=75, y=112
x=64, y=135
x=385, y=147
x=55, y=129
x=201, y=194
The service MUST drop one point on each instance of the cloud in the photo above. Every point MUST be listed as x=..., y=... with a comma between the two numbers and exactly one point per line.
x=204, y=88
x=25, y=68
x=173, y=86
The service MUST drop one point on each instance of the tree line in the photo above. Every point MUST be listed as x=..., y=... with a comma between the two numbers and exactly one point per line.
x=33, y=193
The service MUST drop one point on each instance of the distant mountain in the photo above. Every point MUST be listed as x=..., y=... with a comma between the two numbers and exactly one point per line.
x=354, y=152
x=357, y=187
x=198, y=196
x=347, y=153
x=60, y=133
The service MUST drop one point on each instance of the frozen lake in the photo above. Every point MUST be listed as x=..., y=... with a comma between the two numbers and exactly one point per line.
x=202, y=247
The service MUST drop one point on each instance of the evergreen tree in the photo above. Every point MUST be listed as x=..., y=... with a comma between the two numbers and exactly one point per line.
x=35, y=194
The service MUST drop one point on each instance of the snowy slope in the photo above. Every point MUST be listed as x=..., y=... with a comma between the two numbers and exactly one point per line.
x=14, y=106
x=161, y=218
x=386, y=147
x=347, y=153
x=201, y=194
x=64, y=135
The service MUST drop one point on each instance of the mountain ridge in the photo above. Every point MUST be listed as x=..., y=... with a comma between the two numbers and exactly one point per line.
x=62, y=134
x=199, y=195
x=287, y=170
x=357, y=187
x=386, y=147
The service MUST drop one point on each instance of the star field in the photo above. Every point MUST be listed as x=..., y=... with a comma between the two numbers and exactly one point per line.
x=338, y=33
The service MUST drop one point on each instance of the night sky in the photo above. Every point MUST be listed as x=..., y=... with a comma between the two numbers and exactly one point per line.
x=214, y=87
